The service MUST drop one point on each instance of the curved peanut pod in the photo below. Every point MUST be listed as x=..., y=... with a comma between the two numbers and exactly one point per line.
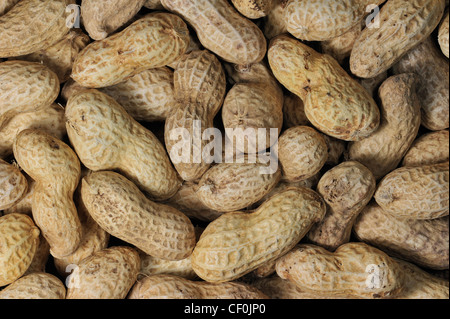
x=13, y=185
x=106, y=137
x=120, y=208
x=415, y=192
x=33, y=25
x=334, y=103
x=221, y=29
x=151, y=265
x=346, y=188
x=430, y=148
x=378, y=48
x=150, y=42
x=353, y=269
x=39, y=285
x=443, y=35
x=400, y=121
x=19, y=239
x=423, y=242
x=55, y=168
x=107, y=274
x=175, y=287
x=238, y=242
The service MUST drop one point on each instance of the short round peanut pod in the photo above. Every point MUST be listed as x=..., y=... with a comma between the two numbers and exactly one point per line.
x=430, y=148
x=38, y=285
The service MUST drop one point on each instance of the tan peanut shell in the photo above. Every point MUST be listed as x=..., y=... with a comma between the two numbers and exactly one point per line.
x=13, y=185
x=41, y=257
x=120, y=208
x=23, y=206
x=336, y=149
x=432, y=70
x=294, y=111
x=274, y=21
x=32, y=25
x=415, y=192
x=35, y=286
x=253, y=9
x=334, y=102
x=101, y=18
x=346, y=188
x=379, y=48
x=238, y=242
x=26, y=86
x=430, y=148
x=422, y=242
x=443, y=35
x=227, y=187
x=302, y=152
x=69, y=88
x=221, y=29
x=150, y=42
x=151, y=265
x=341, y=47
x=153, y=4
x=49, y=118
x=55, y=168
x=353, y=269
x=175, y=287
x=106, y=137
x=19, y=239
x=400, y=121
x=373, y=84
x=107, y=274
x=6, y=5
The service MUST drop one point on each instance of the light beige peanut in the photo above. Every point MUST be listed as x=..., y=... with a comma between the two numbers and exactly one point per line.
x=23, y=206
x=378, y=49
x=199, y=88
x=302, y=152
x=254, y=9
x=227, y=187
x=346, y=188
x=13, y=185
x=19, y=239
x=400, y=121
x=422, y=242
x=150, y=42
x=151, y=265
x=294, y=111
x=430, y=148
x=236, y=243
x=106, y=137
x=221, y=29
x=60, y=56
x=341, y=47
x=153, y=4
x=334, y=102
x=274, y=22
x=321, y=20
x=120, y=208
x=415, y=192
x=107, y=274
x=41, y=257
x=102, y=18
x=175, y=287
x=353, y=269
x=194, y=45
x=443, y=35
x=32, y=25
x=35, y=286
x=69, y=88
x=432, y=70
x=6, y=5
x=49, y=118
x=26, y=86
x=55, y=168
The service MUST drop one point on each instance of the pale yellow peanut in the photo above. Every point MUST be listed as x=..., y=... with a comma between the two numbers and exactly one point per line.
x=415, y=192
x=26, y=86
x=346, y=188
x=175, y=287
x=432, y=70
x=400, y=121
x=41, y=257
x=6, y=5
x=39, y=285
x=227, y=187
x=254, y=9
x=334, y=102
x=55, y=168
x=13, y=185
x=274, y=21
x=121, y=209
x=221, y=29
x=106, y=137
x=102, y=17
x=49, y=118
x=302, y=152
x=443, y=35
x=422, y=242
x=379, y=48
x=151, y=265
x=430, y=148
x=32, y=25
x=236, y=243
x=194, y=45
x=106, y=274
x=150, y=42
x=23, y=206
x=353, y=269
x=341, y=47
x=19, y=239
x=69, y=88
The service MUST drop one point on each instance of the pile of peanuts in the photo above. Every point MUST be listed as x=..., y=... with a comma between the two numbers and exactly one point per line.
x=350, y=200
